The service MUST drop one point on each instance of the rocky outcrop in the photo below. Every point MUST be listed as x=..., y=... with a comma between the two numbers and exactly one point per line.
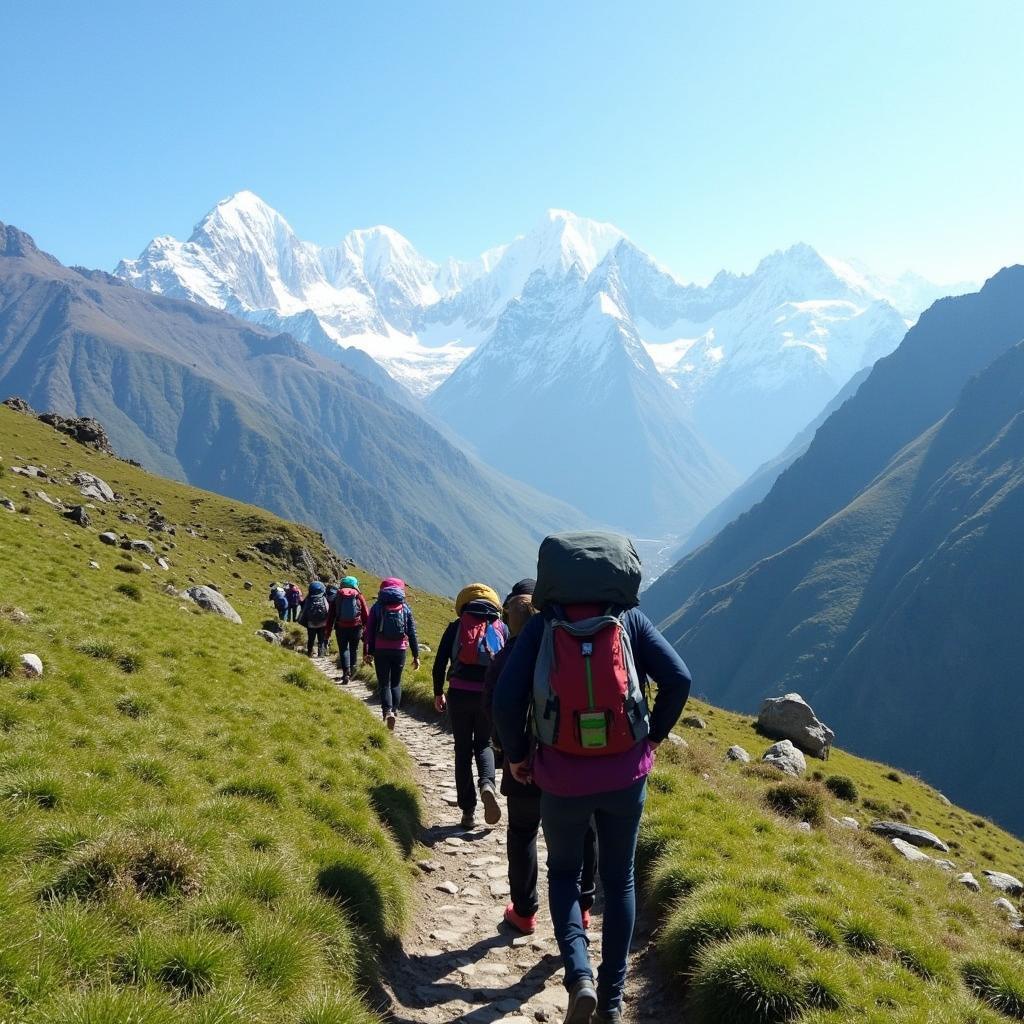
x=83, y=429
x=792, y=718
x=908, y=834
x=787, y=758
x=211, y=601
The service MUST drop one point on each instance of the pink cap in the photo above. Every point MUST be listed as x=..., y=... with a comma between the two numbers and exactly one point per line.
x=392, y=581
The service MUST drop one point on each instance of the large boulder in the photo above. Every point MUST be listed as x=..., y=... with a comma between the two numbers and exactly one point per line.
x=784, y=756
x=212, y=601
x=1005, y=883
x=792, y=718
x=908, y=834
x=91, y=486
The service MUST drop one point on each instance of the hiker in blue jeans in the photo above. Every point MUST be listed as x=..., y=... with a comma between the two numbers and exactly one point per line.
x=593, y=749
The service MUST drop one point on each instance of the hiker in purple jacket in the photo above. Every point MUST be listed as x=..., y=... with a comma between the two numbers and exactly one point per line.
x=587, y=591
x=390, y=633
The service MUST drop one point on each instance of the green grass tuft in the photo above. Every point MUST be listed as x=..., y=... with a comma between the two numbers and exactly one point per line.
x=129, y=590
x=999, y=981
x=276, y=955
x=843, y=787
x=255, y=787
x=802, y=801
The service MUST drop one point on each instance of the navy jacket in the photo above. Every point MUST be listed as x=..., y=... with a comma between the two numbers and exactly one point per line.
x=655, y=659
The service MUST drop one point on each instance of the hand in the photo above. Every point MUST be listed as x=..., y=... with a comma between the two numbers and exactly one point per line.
x=521, y=772
x=416, y=664
x=440, y=703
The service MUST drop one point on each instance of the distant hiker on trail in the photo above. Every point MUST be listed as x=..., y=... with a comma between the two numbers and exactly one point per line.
x=580, y=668
x=390, y=632
x=279, y=600
x=468, y=646
x=348, y=618
x=523, y=798
x=294, y=595
x=314, y=617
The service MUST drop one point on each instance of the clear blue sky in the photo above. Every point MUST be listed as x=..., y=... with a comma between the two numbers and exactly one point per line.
x=712, y=133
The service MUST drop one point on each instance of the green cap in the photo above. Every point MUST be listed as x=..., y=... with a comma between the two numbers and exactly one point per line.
x=350, y=581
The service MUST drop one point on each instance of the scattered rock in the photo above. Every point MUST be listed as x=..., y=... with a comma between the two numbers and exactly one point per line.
x=271, y=638
x=430, y=866
x=32, y=471
x=1007, y=908
x=44, y=497
x=677, y=741
x=969, y=881
x=449, y=887
x=32, y=664
x=946, y=865
x=109, y=538
x=1005, y=883
x=845, y=822
x=247, y=584
x=693, y=722
x=143, y=545
x=94, y=565
x=737, y=753
x=93, y=487
x=18, y=404
x=211, y=601
x=912, y=853
x=909, y=834
x=784, y=756
x=78, y=514
x=9, y=505
x=792, y=718
x=803, y=826
x=163, y=563
x=17, y=616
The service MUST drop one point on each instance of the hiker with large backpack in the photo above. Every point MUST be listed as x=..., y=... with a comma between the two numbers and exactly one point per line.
x=467, y=648
x=348, y=619
x=313, y=616
x=579, y=670
x=279, y=600
x=390, y=633
x=523, y=798
x=294, y=596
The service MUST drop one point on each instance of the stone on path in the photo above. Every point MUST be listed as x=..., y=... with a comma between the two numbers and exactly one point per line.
x=32, y=664
x=737, y=753
x=792, y=718
x=428, y=865
x=212, y=601
x=784, y=756
x=448, y=886
x=1004, y=882
x=909, y=834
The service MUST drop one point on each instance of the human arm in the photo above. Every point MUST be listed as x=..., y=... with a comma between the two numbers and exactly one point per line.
x=410, y=630
x=369, y=634
x=364, y=612
x=442, y=657
x=657, y=658
x=512, y=693
x=332, y=612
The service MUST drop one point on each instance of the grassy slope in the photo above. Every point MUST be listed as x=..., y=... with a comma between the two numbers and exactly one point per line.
x=828, y=926
x=184, y=808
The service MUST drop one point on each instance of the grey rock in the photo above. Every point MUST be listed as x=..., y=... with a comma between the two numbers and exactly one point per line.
x=44, y=497
x=848, y=823
x=737, y=753
x=109, y=538
x=271, y=638
x=93, y=487
x=784, y=756
x=804, y=826
x=1007, y=908
x=211, y=601
x=143, y=545
x=94, y=565
x=677, y=741
x=449, y=887
x=912, y=853
x=247, y=584
x=9, y=505
x=946, y=865
x=78, y=514
x=969, y=881
x=1004, y=882
x=909, y=834
x=429, y=866
x=163, y=563
x=792, y=718
x=32, y=664
x=693, y=722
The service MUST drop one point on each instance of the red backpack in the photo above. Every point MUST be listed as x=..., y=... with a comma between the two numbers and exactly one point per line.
x=347, y=610
x=587, y=698
x=477, y=641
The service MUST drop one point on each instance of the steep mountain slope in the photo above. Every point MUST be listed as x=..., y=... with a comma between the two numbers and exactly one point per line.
x=898, y=613
x=905, y=393
x=195, y=394
x=600, y=423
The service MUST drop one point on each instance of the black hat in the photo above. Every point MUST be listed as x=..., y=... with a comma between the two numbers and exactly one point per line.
x=524, y=588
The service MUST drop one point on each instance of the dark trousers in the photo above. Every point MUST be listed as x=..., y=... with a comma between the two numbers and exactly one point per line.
x=348, y=646
x=282, y=611
x=521, y=849
x=616, y=816
x=472, y=734
x=317, y=635
x=389, y=665
x=292, y=615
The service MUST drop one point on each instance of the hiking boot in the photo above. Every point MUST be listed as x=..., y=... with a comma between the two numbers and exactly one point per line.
x=607, y=1017
x=389, y=720
x=586, y=920
x=492, y=809
x=468, y=820
x=582, y=1002
x=344, y=677
x=524, y=925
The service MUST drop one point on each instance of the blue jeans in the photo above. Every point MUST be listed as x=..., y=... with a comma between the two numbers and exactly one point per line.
x=617, y=819
x=389, y=665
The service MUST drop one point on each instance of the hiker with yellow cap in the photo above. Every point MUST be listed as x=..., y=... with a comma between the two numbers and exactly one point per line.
x=466, y=650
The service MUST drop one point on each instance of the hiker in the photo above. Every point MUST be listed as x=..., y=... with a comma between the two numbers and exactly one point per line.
x=580, y=669
x=467, y=648
x=523, y=799
x=390, y=632
x=348, y=620
x=313, y=616
x=279, y=600
x=294, y=595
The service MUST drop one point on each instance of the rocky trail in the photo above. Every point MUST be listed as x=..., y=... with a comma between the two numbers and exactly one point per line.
x=459, y=962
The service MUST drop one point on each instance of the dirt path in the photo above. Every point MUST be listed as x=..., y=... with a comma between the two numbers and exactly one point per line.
x=458, y=963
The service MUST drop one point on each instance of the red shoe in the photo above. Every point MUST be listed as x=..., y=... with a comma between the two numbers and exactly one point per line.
x=526, y=925
x=586, y=920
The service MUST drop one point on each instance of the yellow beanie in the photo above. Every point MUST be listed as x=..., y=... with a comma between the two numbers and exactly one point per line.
x=476, y=592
